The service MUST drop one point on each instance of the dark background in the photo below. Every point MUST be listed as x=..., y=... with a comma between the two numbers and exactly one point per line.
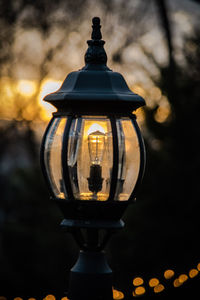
x=162, y=228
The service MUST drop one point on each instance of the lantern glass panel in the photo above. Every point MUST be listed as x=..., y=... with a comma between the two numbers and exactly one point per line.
x=52, y=156
x=90, y=157
x=129, y=158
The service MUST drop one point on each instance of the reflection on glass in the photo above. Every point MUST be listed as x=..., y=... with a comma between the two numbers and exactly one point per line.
x=52, y=156
x=129, y=158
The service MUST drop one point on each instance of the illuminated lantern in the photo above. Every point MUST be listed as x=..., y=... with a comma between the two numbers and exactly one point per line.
x=92, y=153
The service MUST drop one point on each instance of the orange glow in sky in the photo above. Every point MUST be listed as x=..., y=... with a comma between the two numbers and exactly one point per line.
x=47, y=86
x=26, y=87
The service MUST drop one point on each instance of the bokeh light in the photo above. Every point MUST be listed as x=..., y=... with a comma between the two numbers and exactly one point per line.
x=153, y=282
x=26, y=88
x=50, y=297
x=193, y=273
x=168, y=274
x=117, y=295
x=198, y=267
x=138, y=281
x=140, y=290
x=182, y=278
x=177, y=283
x=159, y=288
x=47, y=86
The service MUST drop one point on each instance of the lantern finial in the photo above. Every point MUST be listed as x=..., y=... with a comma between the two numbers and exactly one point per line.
x=95, y=54
x=96, y=33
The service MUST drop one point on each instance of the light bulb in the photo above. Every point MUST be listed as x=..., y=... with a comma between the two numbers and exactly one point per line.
x=96, y=144
x=96, y=147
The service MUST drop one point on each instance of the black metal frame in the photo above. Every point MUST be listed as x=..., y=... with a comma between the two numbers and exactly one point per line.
x=64, y=157
x=142, y=157
x=115, y=159
x=42, y=163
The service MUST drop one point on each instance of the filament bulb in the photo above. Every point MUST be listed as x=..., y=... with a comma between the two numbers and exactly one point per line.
x=96, y=143
x=96, y=147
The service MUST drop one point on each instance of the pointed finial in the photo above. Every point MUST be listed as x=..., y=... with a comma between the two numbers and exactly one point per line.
x=95, y=53
x=96, y=33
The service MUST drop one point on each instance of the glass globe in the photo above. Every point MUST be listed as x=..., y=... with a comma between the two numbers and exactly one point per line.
x=97, y=158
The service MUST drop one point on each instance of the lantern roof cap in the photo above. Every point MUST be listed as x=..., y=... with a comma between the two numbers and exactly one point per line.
x=95, y=88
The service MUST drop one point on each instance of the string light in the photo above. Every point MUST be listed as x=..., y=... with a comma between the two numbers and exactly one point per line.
x=140, y=290
x=153, y=282
x=138, y=281
x=117, y=295
x=182, y=278
x=193, y=273
x=168, y=274
x=159, y=288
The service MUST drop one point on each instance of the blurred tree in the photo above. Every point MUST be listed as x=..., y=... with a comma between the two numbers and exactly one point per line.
x=163, y=228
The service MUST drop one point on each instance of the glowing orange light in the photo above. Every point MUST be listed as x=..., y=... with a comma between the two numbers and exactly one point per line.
x=198, y=266
x=168, y=274
x=117, y=295
x=182, y=278
x=193, y=273
x=177, y=283
x=153, y=282
x=138, y=281
x=64, y=298
x=50, y=297
x=47, y=86
x=26, y=87
x=140, y=290
x=159, y=288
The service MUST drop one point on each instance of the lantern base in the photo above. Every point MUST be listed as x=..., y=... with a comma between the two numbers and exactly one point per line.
x=98, y=224
x=90, y=278
x=92, y=211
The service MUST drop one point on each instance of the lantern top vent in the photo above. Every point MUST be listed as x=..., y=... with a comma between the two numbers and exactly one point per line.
x=95, y=88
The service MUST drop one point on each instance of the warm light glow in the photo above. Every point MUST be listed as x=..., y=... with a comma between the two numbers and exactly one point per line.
x=26, y=87
x=140, y=290
x=198, y=266
x=168, y=274
x=177, y=283
x=159, y=288
x=87, y=196
x=95, y=127
x=163, y=111
x=96, y=143
x=117, y=295
x=138, y=281
x=182, y=278
x=50, y=297
x=138, y=89
x=64, y=298
x=153, y=282
x=48, y=86
x=193, y=273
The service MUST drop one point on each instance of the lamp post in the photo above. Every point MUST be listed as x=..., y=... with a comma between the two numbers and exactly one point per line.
x=93, y=159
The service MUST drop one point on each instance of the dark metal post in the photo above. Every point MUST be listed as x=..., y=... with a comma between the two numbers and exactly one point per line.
x=91, y=276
